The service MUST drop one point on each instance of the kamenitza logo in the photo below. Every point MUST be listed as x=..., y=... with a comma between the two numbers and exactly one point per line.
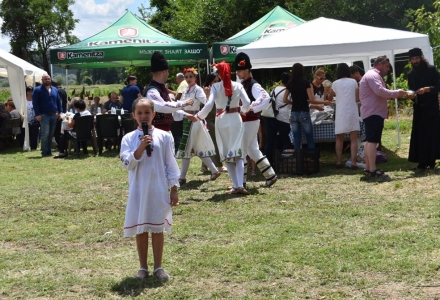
x=71, y=55
x=126, y=41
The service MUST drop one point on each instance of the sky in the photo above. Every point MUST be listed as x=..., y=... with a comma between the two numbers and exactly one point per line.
x=93, y=16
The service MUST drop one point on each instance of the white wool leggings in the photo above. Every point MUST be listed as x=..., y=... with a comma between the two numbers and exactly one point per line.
x=236, y=171
x=206, y=160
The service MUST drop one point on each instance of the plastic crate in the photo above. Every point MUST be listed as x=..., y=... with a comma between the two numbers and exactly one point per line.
x=309, y=161
x=285, y=163
x=304, y=161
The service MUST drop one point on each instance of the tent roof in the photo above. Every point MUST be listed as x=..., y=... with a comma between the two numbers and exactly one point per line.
x=275, y=21
x=127, y=42
x=338, y=41
x=16, y=70
x=7, y=60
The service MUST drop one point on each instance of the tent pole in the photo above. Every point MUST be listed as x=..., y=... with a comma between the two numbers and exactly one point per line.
x=200, y=75
x=395, y=102
x=67, y=82
x=208, y=71
x=51, y=71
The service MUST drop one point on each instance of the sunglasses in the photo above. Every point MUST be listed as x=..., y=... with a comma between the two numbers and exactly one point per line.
x=322, y=78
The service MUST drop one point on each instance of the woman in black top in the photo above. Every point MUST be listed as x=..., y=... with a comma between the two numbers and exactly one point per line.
x=301, y=92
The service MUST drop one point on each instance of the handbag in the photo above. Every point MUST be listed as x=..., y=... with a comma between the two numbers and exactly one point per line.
x=271, y=110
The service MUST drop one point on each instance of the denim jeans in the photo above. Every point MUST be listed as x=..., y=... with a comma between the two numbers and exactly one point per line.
x=303, y=118
x=48, y=123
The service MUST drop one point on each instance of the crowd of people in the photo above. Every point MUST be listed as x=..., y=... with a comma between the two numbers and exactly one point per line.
x=235, y=126
x=225, y=137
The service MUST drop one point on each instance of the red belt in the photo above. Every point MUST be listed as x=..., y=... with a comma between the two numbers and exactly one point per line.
x=231, y=110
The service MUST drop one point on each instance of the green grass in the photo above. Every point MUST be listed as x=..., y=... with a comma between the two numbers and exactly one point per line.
x=323, y=236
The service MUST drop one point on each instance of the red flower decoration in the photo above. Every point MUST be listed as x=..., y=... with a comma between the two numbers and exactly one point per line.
x=242, y=63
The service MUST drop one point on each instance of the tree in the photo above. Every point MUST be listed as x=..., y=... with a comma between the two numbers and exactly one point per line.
x=34, y=26
x=216, y=20
x=428, y=22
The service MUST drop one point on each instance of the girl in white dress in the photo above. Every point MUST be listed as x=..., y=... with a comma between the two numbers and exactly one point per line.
x=152, y=188
x=347, y=115
x=195, y=139
x=228, y=125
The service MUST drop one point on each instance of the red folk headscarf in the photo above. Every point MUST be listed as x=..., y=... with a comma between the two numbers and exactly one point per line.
x=224, y=70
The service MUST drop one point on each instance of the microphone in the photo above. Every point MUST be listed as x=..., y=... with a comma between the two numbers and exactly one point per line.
x=145, y=129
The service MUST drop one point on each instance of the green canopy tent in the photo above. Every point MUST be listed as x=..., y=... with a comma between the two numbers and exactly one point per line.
x=275, y=21
x=127, y=42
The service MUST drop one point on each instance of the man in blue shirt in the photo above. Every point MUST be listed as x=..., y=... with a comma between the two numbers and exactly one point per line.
x=47, y=106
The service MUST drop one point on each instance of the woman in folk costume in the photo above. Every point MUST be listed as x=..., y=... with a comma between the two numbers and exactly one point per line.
x=228, y=125
x=195, y=139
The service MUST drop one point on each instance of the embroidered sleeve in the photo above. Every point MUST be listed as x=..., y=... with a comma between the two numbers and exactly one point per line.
x=161, y=105
x=261, y=98
x=127, y=154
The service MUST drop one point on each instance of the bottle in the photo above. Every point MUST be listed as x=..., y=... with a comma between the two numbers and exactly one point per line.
x=122, y=111
x=99, y=110
x=113, y=111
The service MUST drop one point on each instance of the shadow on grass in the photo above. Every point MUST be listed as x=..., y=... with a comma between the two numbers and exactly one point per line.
x=133, y=287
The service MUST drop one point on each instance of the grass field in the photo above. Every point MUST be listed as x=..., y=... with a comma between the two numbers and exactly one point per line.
x=323, y=236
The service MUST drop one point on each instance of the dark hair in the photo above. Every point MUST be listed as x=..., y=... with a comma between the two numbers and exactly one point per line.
x=296, y=77
x=29, y=89
x=79, y=104
x=135, y=102
x=285, y=78
x=129, y=78
x=343, y=71
x=354, y=69
x=209, y=79
x=54, y=83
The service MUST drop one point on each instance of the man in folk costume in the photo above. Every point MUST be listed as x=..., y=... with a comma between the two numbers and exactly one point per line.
x=424, y=80
x=251, y=122
x=158, y=93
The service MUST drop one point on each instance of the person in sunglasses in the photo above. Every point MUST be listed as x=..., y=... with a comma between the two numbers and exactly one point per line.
x=318, y=90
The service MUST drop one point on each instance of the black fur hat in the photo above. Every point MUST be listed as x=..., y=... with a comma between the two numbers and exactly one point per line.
x=158, y=62
x=242, y=61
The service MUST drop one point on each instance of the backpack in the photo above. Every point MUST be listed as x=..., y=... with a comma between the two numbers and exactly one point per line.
x=271, y=110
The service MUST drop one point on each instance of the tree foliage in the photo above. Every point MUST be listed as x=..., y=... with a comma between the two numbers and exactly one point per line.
x=216, y=20
x=34, y=26
x=428, y=22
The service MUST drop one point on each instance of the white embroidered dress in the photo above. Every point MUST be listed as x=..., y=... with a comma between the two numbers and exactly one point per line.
x=149, y=179
x=228, y=126
x=199, y=141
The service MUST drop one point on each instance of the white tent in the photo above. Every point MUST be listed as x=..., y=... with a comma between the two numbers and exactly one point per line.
x=16, y=69
x=325, y=41
x=328, y=41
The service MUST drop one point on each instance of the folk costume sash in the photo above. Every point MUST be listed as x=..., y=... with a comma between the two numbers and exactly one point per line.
x=250, y=116
x=161, y=120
